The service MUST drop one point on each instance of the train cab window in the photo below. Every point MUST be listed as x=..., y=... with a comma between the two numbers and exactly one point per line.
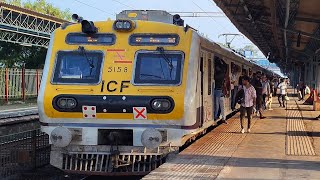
x=155, y=68
x=73, y=67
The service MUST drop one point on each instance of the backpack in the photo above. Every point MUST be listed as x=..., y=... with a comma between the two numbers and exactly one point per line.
x=240, y=96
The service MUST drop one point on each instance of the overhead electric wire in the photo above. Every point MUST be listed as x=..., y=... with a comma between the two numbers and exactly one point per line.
x=123, y=4
x=94, y=7
x=208, y=15
x=223, y=12
x=215, y=20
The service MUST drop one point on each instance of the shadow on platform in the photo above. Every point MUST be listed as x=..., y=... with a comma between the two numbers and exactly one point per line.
x=298, y=118
x=251, y=162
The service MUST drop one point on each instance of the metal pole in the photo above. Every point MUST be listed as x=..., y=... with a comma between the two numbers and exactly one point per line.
x=23, y=83
x=34, y=148
x=7, y=85
x=37, y=79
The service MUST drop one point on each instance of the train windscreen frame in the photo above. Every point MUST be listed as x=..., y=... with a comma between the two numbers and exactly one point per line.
x=154, y=39
x=72, y=67
x=156, y=69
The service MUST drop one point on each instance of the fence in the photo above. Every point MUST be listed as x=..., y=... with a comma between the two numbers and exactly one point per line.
x=23, y=152
x=19, y=83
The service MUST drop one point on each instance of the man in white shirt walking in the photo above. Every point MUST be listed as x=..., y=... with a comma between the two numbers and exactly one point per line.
x=282, y=92
x=248, y=101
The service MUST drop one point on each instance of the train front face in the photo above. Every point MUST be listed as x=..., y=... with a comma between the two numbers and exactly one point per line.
x=113, y=100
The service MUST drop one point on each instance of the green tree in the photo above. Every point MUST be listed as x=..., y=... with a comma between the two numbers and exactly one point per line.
x=14, y=54
x=14, y=2
x=249, y=48
x=42, y=6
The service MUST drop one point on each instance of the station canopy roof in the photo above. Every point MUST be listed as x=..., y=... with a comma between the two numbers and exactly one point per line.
x=286, y=31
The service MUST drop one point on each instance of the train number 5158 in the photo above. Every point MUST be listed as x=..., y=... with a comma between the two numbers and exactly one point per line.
x=117, y=69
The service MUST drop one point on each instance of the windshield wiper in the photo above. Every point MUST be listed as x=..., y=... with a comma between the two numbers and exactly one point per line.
x=169, y=62
x=90, y=62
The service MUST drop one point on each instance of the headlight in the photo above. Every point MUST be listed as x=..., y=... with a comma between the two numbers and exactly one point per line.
x=62, y=103
x=156, y=104
x=123, y=25
x=71, y=103
x=161, y=104
x=66, y=103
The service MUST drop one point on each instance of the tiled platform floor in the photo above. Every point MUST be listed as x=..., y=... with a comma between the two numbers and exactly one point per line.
x=285, y=145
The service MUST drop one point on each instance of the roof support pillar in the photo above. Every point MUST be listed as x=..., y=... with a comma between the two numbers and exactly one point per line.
x=273, y=8
x=285, y=26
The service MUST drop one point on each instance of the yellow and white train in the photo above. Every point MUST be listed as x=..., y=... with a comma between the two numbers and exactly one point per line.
x=118, y=95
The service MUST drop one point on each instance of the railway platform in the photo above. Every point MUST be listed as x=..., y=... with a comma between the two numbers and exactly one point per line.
x=16, y=118
x=13, y=110
x=285, y=145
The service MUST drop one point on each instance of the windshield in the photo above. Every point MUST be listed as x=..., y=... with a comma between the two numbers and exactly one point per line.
x=155, y=68
x=77, y=67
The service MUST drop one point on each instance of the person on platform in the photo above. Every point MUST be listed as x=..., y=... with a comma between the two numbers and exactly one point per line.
x=256, y=83
x=307, y=90
x=271, y=82
x=269, y=101
x=282, y=92
x=265, y=91
x=302, y=90
x=276, y=83
x=298, y=91
x=248, y=102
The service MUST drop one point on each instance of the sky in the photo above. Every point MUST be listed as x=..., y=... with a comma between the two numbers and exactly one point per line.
x=212, y=27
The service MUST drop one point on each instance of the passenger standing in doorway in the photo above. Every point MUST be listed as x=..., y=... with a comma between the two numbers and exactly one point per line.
x=282, y=92
x=248, y=102
x=242, y=75
x=219, y=77
x=226, y=92
x=256, y=83
x=234, y=87
x=251, y=74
